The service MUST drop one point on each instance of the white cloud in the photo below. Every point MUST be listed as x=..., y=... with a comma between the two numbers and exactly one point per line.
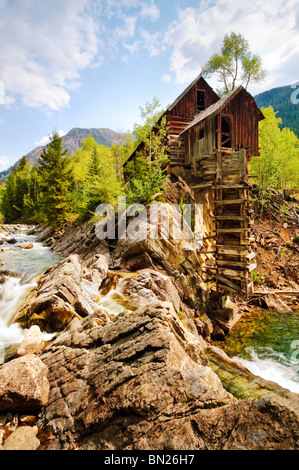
x=2, y=93
x=132, y=48
x=150, y=10
x=269, y=26
x=5, y=162
x=166, y=78
x=152, y=42
x=45, y=140
x=45, y=47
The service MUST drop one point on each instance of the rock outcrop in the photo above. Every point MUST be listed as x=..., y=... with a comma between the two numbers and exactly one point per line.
x=69, y=289
x=142, y=381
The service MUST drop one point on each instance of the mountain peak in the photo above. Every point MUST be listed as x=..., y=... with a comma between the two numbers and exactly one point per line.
x=72, y=141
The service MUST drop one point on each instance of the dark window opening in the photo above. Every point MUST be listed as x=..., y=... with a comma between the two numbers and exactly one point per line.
x=200, y=100
x=226, y=141
x=201, y=133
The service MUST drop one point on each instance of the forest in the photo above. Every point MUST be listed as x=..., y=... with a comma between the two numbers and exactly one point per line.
x=285, y=101
x=61, y=188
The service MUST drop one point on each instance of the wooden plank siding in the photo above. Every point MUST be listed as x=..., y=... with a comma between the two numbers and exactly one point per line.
x=244, y=124
x=240, y=111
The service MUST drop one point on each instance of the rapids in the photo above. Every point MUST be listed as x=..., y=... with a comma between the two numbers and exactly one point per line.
x=21, y=269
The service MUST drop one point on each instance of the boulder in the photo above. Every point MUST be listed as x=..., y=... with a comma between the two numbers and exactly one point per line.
x=25, y=246
x=95, y=269
x=44, y=234
x=11, y=241
x=23, y=384
x=33, y=343
x=69, y=289
x=172, y=252
x=24, y=438
x=149, y=286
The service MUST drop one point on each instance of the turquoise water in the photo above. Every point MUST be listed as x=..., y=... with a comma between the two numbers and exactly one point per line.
x=268, y=345
x=26, y=266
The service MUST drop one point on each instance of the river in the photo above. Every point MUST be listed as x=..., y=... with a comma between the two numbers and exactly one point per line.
x=25, y=266
x=267, y=343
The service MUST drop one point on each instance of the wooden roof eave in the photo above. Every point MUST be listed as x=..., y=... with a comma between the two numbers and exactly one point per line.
x=219, y=105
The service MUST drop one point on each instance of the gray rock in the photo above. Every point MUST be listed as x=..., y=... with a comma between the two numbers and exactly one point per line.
x=23, y=384
x=142, y=381
x=11, y=241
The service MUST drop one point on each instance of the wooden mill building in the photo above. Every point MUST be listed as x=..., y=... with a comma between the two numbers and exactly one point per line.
x=210, y=141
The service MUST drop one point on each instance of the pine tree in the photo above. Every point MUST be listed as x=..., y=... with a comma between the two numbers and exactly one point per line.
x=55, y=174
x=15, y=190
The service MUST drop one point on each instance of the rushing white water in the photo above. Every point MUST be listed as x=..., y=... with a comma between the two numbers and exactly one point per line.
x=26, y=266
x=274, y=372
x=112, y=303
x=273, y=368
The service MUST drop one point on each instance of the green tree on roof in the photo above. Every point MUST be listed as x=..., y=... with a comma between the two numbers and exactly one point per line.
x=235, y=64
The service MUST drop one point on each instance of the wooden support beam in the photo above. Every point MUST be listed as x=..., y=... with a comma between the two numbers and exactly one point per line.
x=237, y=264
x=231, y=247
x=231, y=217
x=232, y=230
x=201, y=186
x=231, y=201
x=232, y=186
x=276, y=292
x=227, y=282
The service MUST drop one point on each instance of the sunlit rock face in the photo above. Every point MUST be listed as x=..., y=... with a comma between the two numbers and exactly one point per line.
x=142, y=381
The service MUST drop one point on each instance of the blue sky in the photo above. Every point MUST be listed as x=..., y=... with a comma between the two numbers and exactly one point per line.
x=92, y=63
